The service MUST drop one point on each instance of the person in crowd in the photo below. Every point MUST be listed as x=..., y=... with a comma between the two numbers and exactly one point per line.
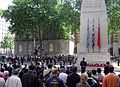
x=2, y=82
x=73, y=78
x=39, y=81
x=90, y=80
x=54, y=80
x=95, y=76
x=46, y=73
x=13, y=81
x=9, y=68
x=29, y=78
x=22, y=71
x=6, y=75
x=61, y=65
x=63, y=75
x=83, y=65
x=111, y=79
x=100, y=75
x=68, y=70
x=83, y=82
x=106, y=68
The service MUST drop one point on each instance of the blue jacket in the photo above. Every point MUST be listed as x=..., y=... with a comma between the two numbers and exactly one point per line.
x=54, y=82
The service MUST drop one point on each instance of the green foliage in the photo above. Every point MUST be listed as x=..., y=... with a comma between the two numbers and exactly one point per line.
x=8, y=42
x=113, y=8
x=54, y=19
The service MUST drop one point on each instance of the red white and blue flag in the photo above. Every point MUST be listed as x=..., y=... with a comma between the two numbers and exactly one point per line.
x=93, y=36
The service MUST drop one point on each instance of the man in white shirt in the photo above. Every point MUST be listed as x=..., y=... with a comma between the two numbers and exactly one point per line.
x=13, y=81
x=2, y=82
x=63, y=75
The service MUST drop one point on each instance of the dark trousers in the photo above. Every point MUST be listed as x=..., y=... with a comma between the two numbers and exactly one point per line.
x=83, y=69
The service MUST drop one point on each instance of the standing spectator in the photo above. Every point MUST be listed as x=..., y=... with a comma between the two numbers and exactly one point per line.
x=106, y=68
x=9, y=68
x=63, y=75
x=73, y=78
x=111, y=79
x=2, y=82
x=61, y=65
x=100, y=75
x=28, y=79
x=95, y=76
x=6, y=75
x=83, y=65
x=90, y=80
x=13, y=81
x=54, y=81
x=46, y=73
x=83, y=82
x=68, y=70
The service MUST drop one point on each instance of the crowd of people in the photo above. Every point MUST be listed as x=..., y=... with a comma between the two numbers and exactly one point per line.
x=15, y=74
x=55, y=59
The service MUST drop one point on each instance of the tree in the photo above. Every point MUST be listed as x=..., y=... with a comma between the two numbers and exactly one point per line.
x=113, y=8
x=31, y=16
x=7, y=43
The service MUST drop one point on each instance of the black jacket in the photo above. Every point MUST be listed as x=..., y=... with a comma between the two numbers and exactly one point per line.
x=72, y=79
x=29, y=79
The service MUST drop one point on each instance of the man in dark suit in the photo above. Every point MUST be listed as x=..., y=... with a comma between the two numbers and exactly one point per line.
x=29, y=78
x=83, y=65
x=73, y=78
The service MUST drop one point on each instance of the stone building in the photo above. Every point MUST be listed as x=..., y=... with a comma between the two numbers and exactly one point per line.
x=49, y=47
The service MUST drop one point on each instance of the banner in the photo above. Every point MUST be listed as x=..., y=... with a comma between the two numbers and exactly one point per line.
x=88, y=35
x=93, y=36
x=99, y=37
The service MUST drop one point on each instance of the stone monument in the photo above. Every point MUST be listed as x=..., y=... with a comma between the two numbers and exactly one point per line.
x=93, y=32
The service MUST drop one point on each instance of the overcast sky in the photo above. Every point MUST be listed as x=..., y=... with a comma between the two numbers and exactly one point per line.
x=4, y=4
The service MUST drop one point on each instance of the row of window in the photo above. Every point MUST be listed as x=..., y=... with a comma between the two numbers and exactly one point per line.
x=50, y=47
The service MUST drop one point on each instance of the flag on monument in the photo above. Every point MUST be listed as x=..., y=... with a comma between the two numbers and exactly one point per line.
x=99, y=38
x=88, y=35
x=93, y=36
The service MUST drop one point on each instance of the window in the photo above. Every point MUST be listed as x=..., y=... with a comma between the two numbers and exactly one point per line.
x=62, y=46
x=30, y=47
x=50, y=46
x=20, y=47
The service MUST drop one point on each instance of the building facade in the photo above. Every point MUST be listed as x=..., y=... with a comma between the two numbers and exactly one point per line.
x=3, y=31
x=3, y=28
x=49, y=47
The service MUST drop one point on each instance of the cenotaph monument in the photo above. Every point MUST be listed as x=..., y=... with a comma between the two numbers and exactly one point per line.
x=93, y=32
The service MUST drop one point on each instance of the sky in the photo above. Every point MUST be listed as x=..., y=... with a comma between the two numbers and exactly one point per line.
x=4, y=4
